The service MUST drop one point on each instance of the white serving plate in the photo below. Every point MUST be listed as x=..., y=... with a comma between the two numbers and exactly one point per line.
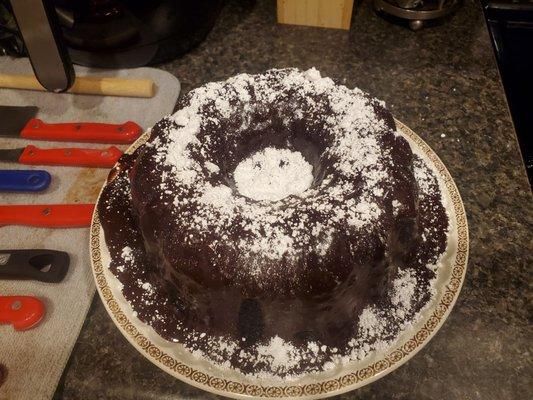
x=176, y=360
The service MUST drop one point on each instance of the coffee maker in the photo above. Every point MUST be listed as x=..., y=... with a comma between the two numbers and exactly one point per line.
x=107, y=33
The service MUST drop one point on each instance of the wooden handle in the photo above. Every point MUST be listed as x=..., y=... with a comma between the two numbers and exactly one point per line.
x=87, y=85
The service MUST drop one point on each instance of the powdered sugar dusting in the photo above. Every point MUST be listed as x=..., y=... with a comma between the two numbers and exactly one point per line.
x=404, y=291
x=276, y=228
x=423, y=178
x=279, y=353
x=127, y=254
x=273, y=174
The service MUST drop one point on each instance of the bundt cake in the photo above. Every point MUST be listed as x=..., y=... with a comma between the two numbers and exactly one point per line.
x=278, y=210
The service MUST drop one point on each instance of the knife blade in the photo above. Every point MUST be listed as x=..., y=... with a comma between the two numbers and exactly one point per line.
x=47, y=215
x=23, y=312
x=70, y=156
x=14, y=180
x=37, y=264
x=20, y=122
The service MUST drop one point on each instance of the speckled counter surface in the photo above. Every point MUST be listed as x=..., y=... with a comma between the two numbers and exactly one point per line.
x=444, y=84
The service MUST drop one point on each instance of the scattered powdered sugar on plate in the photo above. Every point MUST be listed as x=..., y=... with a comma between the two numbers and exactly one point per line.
x=280, y=354
x=403, y=291
x=423, y=178
x=127, y=254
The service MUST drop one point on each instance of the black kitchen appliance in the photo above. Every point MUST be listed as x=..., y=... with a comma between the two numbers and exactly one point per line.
x=102, y=33
x=510, y=24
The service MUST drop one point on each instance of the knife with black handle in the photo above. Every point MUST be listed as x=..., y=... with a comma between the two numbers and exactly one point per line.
x=37, y=264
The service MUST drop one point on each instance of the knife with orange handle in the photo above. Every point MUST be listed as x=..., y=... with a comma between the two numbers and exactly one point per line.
x=70, y=156
x=16, y=121
x=23, y=312
x=91, y=132
x=47, y=215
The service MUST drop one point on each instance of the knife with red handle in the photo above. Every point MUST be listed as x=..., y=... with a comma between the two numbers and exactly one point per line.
x=81, y=132
x=23, y=312
x=16, y=121
x=69, y=156
x=47, y=215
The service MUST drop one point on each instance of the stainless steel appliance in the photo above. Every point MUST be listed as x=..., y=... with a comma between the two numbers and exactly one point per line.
x=417, y=12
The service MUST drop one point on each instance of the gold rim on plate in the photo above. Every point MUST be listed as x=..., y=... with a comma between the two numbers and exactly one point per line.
x=351, y=377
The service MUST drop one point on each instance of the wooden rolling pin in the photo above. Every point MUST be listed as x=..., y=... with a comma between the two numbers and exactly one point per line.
x=87, y=85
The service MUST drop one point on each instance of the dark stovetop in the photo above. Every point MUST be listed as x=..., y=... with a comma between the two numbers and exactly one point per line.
x=511, y=27
x=443, y=83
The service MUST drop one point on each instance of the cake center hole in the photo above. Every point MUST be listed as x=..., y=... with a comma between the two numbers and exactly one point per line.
x=272, y=174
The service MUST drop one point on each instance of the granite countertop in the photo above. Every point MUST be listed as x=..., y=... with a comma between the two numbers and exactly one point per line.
x=443, y=83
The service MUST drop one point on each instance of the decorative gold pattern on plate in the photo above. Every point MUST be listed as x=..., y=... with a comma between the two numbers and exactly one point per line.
x=345, y=382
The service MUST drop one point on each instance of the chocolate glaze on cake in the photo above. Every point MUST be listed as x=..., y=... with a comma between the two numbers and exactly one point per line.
x=322, y=273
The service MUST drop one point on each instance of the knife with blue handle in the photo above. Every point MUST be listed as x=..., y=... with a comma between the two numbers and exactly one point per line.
x=12, y=180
